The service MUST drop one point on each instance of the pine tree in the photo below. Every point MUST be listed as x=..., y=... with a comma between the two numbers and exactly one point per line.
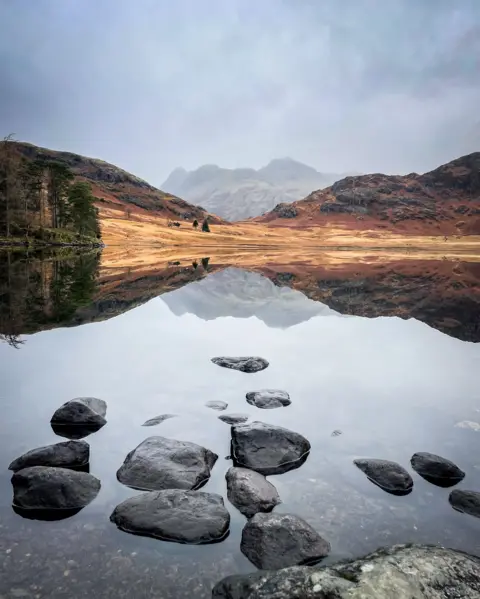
x=205, y=227
x=195, y=223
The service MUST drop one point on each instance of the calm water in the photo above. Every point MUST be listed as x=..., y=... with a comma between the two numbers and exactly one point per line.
x=392, y=386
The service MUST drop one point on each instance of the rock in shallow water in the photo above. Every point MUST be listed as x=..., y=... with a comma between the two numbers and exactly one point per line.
x=268, y=449
x=69, y=454
x=233, y=418
x=273, y=541
x=81, y=411
x=467, y=502
x=436, y=470
x=158, y=419
x=268, y=399
x=174, y=515
x=250, y=492
x=217, y=405
x=161, y=463
x=401, y=572
x=387, y=475
x=244, y=364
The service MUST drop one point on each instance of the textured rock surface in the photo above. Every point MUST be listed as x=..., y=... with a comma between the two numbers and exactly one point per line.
x=401, y=572
x=233, y=418
x=68, y=454
x=217, y=405
x=273, y=541
x=243, y=363
x=436, y=470
x=387, y=475
x=174, y=515
x=268, y=398
x=161, y=463
x=158, y=419
x=467, y=502
x=81, y=410
x=250, y=492
x=268, y=449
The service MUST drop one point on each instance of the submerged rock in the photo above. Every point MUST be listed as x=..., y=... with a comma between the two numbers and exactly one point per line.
x=68, y=454
x=49, y=488
x=467, y=502
x=244, y=364
x=217, y=405
x=174, y=515
x=233, y=418
x=250, y=492
x=436, y=470
x=268, y=449
x=269, y=398
x=389, y=476
x=83, y=411
x=161, y=463
x=401, y=572
x=273, y=541
x=158, y=419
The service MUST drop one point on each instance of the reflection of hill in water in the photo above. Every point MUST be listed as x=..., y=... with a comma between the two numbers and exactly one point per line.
x=242, y=294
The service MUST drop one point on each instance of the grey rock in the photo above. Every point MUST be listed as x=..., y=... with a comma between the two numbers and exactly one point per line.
x=48, y=488
x=268, y=398
x=217, y=405
x=268, y=449
x=233, y=418
x=68, y=454
x=250, y=492
x=400, y=572
x=174, y=515
x=160, y=463
x=436, y=470
x=389, y=476
x=81, y=411
x=272, y=541
x=243, y=363
x=467, y=502
x=158, y=419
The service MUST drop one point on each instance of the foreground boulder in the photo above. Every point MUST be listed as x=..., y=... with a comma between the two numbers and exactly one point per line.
x=250, y=492
x=268, y=449
x=160, y=463
x=244, y=364
x=467, y=502
x=158, y=419
x=174, y=515
x=85, y=411
x=401, y=572
x=233, y=418
x=272, y=541
x=389, y=476
x=47, y=488
x=69, y=454
x=436, y=470
x=268, y=399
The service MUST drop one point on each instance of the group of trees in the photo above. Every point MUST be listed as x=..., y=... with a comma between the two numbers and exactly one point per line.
x=205, y=226
x=40, y=194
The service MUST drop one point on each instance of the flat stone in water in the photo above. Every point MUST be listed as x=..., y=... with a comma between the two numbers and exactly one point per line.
x=250, y=492
x=158, y=419
x=243, y=363
x=217, y=405
x=174, y=515
x=389, y=476
x=268, y=449
x=467, y=502
x=160, y=463
x=81, y=411
x=436, y=470
x=268, y=399
x=233, y=418
x=68, y=454
x=272, y=541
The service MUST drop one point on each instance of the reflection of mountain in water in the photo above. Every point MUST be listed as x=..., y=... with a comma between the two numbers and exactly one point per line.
x=242, y=294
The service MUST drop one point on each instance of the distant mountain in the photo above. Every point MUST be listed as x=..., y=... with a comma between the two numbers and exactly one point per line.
x=238, y=194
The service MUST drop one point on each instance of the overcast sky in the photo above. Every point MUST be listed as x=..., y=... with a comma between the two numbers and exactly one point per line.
x=343, y=85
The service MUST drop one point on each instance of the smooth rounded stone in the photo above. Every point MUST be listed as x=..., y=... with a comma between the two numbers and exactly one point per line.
x=49, y=488
x=250, y=492
x=174, y=515
x=268, y=449
x=389, y=476
x=217, y=405
x=267, y=399
x=160, y=463
x=233, y=418
x=68, y=454
x=399, y=572
x=83, y=411
x=272, y=541
x=467, y=502
x=158, y=419
x=436, y=470
x=244, y=363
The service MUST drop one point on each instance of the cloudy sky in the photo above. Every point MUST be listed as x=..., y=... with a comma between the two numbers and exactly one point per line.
x=362, y=85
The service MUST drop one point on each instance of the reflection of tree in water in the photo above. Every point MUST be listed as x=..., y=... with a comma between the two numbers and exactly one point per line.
x=38, y=291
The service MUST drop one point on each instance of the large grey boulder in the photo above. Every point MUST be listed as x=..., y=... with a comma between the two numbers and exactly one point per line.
x=464, y=501
x=268, y=449
x=244, y=363
x=274, y=540
x=174, y=515
x=250, y=492
x=436, y=470
x=389, y=476
x=400, y=572
x=268, y=399
x=48, y=488
x=81, y=411
x=68, y=454
x=160, y=463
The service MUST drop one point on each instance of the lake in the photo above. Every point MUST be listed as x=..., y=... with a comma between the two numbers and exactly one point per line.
x=380, y=355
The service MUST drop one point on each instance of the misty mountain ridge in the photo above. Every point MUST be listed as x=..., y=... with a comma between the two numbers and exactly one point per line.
x=237, y=194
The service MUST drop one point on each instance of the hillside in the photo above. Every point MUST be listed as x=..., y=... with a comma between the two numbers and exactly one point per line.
x=238, y=194
x=443, y=201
